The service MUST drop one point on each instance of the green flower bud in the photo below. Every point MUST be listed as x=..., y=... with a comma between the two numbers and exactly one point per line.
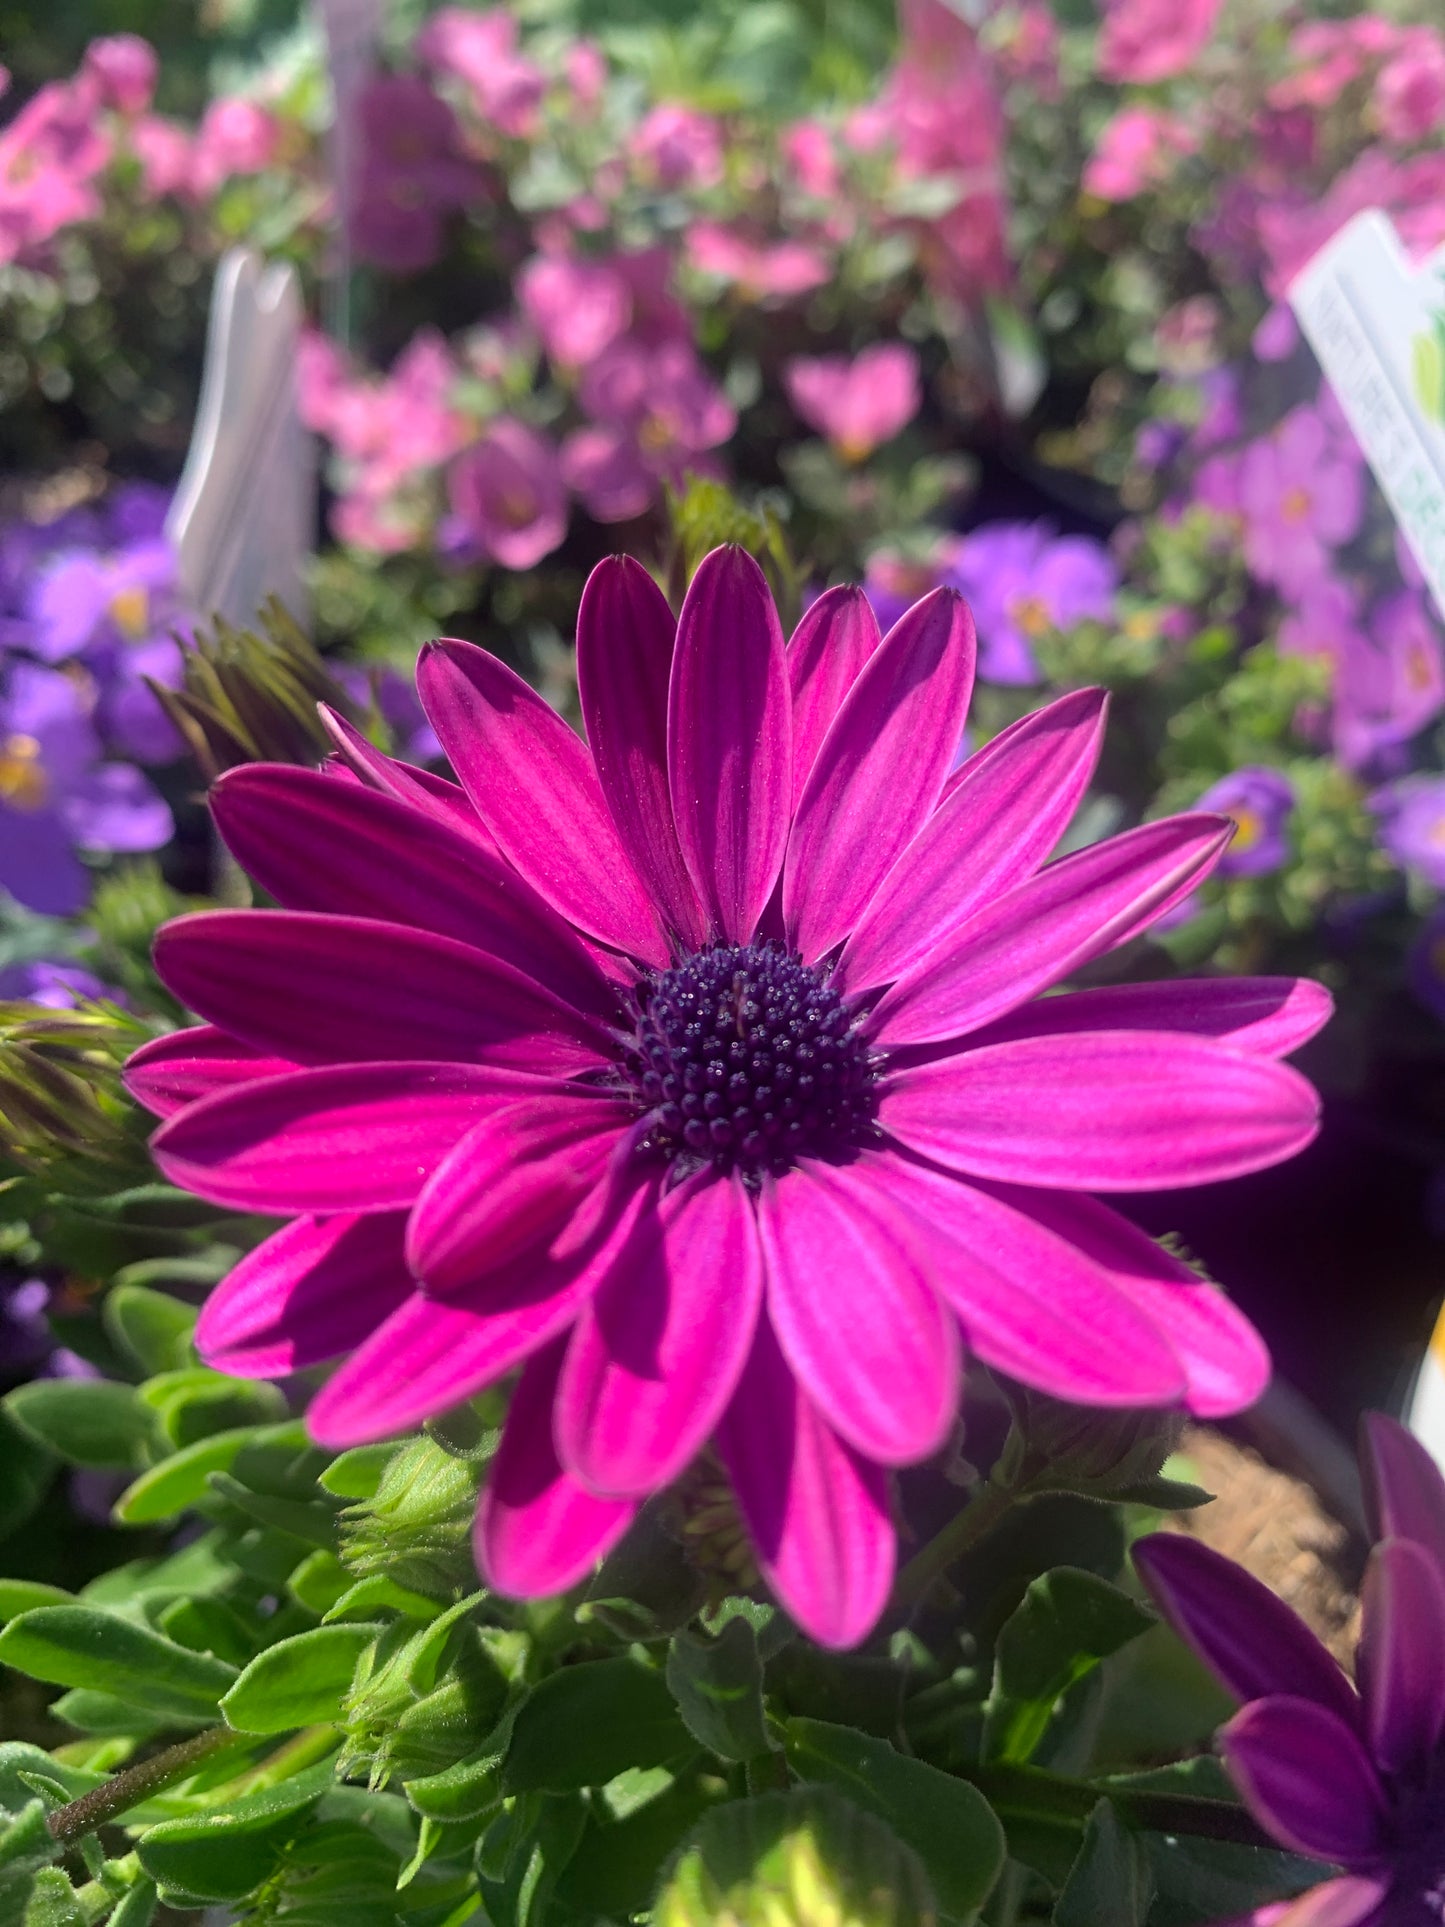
x=800, y=1859
x=416, y=1527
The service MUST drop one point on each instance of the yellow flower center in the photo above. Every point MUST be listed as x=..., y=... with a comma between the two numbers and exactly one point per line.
x=22, y=781
x=1419, y=669
x=1296, y=504
x=1031, y=615
x=1140, y=626
x=1248, y=828
x=517, y=507
x=655, y=435
x=130, y=611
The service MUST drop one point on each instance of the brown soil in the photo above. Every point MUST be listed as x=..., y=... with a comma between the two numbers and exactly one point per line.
x=1275, y=1527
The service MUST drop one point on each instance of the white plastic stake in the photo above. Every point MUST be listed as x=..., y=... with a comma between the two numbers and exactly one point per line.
x=1377, y=324
x=244, y=514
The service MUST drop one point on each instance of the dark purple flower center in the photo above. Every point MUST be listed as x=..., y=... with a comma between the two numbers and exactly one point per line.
x=747, y=1059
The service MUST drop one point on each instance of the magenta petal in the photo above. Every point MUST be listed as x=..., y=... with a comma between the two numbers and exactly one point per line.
x=187, y=1065
x=533, y=783
x=817, y=1512
x=1245, y=1634
x=316, y=844
x=1007, y=810
x=354, y=1137
x=1225, y=1361
x=1030, y=1303
x=432, y=795
x=1035, y=934
x=1102, y=1111
x=625, y=636
x=1404, y=1488
x=729, y=741
x=1306, y=1778
x=826, y=654
x=655, y=1357
x=1263, y=1016
x=879, y=771
x=320, y=989
x=857, y=1316
x=510, y=1182
x=1401, y=1659
x=538, y=1530
x=311, y=1291
x=1350, y=1901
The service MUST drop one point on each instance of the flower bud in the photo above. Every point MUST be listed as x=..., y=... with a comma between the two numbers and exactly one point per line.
x=416, y=1527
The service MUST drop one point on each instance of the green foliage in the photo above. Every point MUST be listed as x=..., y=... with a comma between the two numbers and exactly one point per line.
x=1067, y=1623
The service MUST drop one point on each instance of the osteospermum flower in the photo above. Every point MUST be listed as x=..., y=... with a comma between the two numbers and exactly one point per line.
x=1354, y=1776
x=704, y=1074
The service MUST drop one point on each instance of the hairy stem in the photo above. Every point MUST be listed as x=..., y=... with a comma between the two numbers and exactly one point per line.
x=137, y=1783
x=1028, y=1792
x=962, y=1533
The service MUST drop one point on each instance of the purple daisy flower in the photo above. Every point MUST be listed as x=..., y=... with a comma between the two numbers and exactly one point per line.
x=706, y=1074
x=1412, y=825
x=1022, y=580
x=1260, y=802
x=57, y=796
x=1352, y=1777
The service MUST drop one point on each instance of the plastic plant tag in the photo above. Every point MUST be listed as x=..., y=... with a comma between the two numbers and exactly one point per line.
x=1425, y=1414
x=244, y=513
x=352, y=28
x=1377, y=324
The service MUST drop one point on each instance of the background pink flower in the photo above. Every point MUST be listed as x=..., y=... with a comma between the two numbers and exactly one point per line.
x=1302, y=493
x=578, y=307
x=508, y=492
x=124, y=68
x=676, y=146
x=1136, y=150
x=236, y=136
x=856, y=404
x=1146, y=40
x=413, y=173
x=480, y=49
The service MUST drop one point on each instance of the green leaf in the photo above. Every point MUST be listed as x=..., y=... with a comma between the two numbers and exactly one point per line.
x=86, y=1421
x=151, y=1325
x=22, y=1595
x=1067, y=1622
x=89, y=1647
x=299, y=1681
x=614, y=1872
x=52, y=1902
x=1110, y=1879
x=797, y=1859
x=105, y=1715
x=179, y=1482
x=586, y=1724
x=310, y=1522
x=25, y=1839
x=356, y=1474
x=26, y=1470
x=377, y=1591
x=522, y=1897
x=137, y=1907
x=948, y=1823
x=718, y=1686
x=227, y=1853
x=210, y=1626
x=197, y=1403
x=466, y=1791
x=319, y=1581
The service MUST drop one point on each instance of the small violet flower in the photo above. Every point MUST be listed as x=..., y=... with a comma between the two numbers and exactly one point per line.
x=1302, y=494
x=1024, y=581
x=1260, y=802
x=534, y=1085
x=1352, y=1775
x=1389, y=683
x=56, y=795
x=656, y=414
x=1412, y=825
x=856, y=404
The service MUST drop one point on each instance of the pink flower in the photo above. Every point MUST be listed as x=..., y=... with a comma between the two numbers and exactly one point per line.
x=1136, y=150
x=124, y=68
x=759, y=270
x=535, y=1085
x=1389, y=685
x=480, y=49
x=165, y=151
x=677, y=147
x=235, y=137
x=1026, y=46
x=1327, y=56
x=508, y=492
x=586, y=69
x=1146, y=40
x=656, y=413
x=808, y=149
x=857, y=404
x=578, y=307
x=1302, y=494
x=1410, y=93
x=50, y=155
x=413, y=173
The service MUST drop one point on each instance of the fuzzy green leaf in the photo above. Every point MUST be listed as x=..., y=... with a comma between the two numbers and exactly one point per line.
x=299, y=1681
x=86, y=1421
x=1067, y=1622
x=87, y=1647
x=1109, y=1880
x=718, y=1686
x=151, y=1325
x=586, y=1724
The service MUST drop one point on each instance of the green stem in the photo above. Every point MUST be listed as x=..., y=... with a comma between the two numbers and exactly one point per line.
x=137, y=1783
x=1028, y=1792
x=309, y=1746
x=962, y=1533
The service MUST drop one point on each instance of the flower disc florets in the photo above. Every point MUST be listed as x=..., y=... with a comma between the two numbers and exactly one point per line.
x=746, y=1058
